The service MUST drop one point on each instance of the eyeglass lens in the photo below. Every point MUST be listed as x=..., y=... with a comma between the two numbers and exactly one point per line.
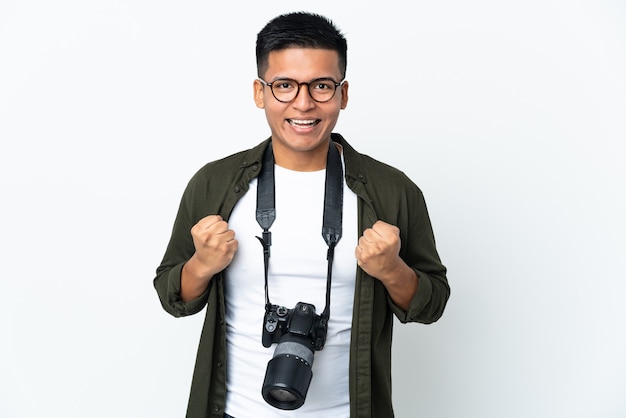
x=285, y=90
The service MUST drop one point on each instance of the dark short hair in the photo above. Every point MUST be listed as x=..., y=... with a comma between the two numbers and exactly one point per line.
x=300, y=30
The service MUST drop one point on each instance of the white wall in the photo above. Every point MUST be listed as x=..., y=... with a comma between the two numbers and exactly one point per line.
x=509, y=115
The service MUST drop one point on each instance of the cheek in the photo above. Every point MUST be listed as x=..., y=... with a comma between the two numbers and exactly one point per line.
x=273, y=115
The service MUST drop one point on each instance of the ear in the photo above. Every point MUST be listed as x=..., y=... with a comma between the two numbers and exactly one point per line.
x=259, y=94
x=344, y=95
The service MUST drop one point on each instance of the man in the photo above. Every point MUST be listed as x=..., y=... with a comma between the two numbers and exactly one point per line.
x=243, y=260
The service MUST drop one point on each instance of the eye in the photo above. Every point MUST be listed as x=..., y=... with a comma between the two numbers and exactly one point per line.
x=284, y=85
x=323, y=85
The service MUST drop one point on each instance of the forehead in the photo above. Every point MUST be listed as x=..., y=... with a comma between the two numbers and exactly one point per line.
x=303, y=64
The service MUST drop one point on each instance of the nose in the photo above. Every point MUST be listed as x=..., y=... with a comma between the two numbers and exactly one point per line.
x=303, y=100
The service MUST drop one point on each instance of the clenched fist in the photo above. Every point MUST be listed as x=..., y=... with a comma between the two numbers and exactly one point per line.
x=215, y=248
x=378, y=254
x=378, y=251
x=215, y=243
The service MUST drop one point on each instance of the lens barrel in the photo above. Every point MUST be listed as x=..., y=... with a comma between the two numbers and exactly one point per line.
x=287, y=381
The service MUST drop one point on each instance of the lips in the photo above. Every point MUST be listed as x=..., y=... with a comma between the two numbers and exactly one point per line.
x=303, y=123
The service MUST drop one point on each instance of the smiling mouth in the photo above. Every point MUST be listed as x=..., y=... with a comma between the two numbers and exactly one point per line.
x=303, y=123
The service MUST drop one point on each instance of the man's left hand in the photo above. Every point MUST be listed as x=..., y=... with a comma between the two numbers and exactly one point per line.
x=378, y=251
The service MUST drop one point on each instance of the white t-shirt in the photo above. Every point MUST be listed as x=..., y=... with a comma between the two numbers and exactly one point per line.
x=297, y=273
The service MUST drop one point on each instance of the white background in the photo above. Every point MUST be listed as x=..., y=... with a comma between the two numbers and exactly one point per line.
x=509, y=115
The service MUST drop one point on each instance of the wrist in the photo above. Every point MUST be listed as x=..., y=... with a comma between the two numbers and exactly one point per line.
x=194, y=280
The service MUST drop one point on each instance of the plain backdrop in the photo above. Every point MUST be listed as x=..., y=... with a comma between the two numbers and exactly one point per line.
x=509, y=115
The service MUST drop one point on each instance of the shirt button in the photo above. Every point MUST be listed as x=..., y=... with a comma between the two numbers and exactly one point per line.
x=216, y=408
x=237, y=189
x=219, y=364
x=255, y=167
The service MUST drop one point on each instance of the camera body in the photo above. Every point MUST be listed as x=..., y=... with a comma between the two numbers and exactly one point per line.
x=301, y=321
x=299, y=332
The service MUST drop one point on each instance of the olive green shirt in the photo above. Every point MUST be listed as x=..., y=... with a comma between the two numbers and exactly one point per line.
x=384, y=193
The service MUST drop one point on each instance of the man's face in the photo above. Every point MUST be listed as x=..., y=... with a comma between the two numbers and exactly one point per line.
x=301, y=128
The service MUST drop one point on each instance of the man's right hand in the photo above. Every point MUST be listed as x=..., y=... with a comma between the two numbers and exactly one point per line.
x=215, y=248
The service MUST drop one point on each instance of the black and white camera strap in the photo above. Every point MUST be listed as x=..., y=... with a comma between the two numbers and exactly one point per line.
x=332, y=219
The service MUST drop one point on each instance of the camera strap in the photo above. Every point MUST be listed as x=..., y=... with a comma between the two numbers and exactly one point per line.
x=332, y=219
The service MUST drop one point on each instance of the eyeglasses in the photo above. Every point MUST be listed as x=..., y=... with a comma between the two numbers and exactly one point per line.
x=285, y=89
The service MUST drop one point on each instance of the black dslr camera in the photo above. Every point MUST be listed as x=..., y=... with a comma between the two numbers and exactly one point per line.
x=299, y=332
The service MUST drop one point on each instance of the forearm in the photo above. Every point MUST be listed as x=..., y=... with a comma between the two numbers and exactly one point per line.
x=194, y=280
x=401, y=284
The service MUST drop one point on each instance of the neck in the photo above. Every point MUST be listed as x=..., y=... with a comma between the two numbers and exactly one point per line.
x=311, y=160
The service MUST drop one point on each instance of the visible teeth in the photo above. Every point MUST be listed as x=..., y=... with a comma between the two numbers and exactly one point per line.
x=302, y=122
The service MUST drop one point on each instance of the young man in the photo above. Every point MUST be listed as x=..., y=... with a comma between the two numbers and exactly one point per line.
x=245, y=255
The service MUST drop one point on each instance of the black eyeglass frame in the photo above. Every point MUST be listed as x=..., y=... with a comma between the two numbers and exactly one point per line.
x=299, y=84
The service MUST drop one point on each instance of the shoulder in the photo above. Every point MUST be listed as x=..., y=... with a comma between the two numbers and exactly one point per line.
x=227, y=168
x=372, y=172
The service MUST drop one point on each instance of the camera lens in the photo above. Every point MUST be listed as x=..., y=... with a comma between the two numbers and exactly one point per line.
x=283, y=396
x=286, y=382
x=288, y=375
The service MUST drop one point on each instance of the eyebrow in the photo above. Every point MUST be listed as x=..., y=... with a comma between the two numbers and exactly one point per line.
x=313, y=79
